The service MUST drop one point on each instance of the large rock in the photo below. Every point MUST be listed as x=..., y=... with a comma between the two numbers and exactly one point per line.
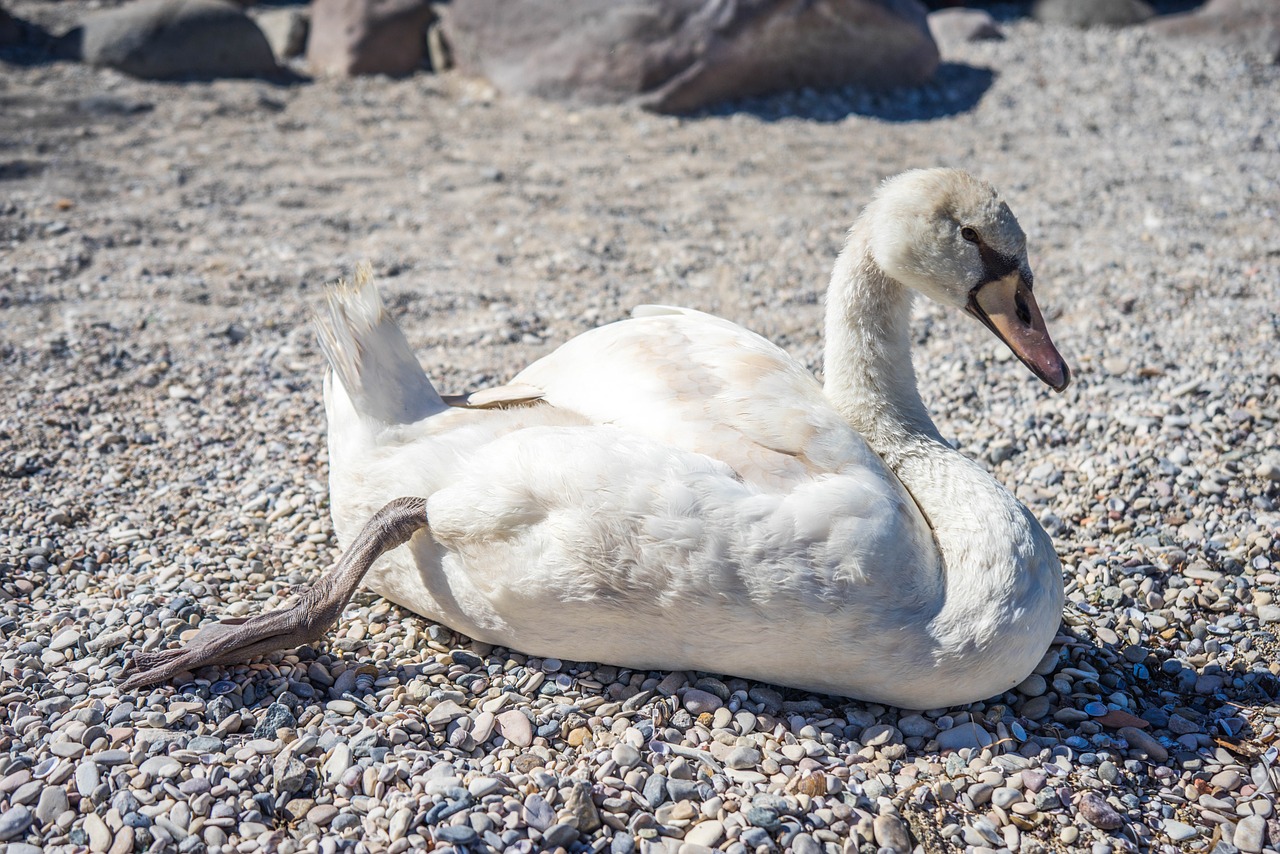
x=1252, y=25
x=680, y=55
x=368, y=36
x=161, y=39
x=1092, y=13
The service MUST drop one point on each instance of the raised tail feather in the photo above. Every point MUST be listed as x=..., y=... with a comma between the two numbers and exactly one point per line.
x=370, y=356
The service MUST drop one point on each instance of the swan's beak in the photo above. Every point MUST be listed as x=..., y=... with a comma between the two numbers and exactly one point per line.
x=1008, y=308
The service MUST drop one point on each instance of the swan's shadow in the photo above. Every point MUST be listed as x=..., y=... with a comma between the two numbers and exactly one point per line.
x=955, y=88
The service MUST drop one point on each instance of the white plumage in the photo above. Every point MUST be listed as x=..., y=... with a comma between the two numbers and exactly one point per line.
x=684, y=495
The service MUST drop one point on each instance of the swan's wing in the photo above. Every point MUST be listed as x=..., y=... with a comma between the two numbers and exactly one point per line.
x=700, y=383
x=703, y=569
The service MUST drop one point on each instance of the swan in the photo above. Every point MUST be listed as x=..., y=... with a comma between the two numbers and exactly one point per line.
x=672, y=491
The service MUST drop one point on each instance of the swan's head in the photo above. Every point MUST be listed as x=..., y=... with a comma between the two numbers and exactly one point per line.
x=951, y=237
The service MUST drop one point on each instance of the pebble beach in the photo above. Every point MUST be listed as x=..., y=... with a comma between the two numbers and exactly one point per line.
x=163, y=460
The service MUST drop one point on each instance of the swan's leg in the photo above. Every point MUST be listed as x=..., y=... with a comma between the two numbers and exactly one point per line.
x=235, y=641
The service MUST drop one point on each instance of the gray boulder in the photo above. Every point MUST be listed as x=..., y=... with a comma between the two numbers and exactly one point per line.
x=1092, y=13
x=163, y=39
x=955, y=26
x=350, y=37
x=1250, y=25
x=677, y=56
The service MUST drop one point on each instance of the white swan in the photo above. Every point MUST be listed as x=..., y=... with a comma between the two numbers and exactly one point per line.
x=675, y=492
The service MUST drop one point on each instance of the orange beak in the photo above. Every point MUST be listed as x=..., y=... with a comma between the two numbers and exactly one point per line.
x=1008, y=308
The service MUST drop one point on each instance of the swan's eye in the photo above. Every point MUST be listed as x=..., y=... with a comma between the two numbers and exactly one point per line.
x=969, y=234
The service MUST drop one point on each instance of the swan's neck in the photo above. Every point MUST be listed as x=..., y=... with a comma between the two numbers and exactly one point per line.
x=869, y=376
x=998, y=566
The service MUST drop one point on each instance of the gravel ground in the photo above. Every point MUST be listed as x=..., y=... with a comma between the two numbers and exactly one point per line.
x=162, y=457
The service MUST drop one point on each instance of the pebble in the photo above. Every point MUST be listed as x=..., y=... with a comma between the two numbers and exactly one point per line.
x=1249, y=834
x=967, y=735
x=891, y=832
x=14, y=822
x=1177, y=831
x=1099, y=813
x=99, y=835
x=742, y=758
x=700, y=702
x=1145, y=743
x=515, y=727
x=706, y=833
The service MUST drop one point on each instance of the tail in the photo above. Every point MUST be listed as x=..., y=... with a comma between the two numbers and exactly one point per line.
x=370, y=356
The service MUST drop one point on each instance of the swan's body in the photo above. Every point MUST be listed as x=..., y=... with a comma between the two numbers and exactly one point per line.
x=682, y=494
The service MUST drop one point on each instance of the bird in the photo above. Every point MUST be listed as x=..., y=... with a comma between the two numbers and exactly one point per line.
x=674, y=492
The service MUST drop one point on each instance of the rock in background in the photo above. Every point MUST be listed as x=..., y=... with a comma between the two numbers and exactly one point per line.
x=1251, y=24
x=351, y=37
x=162, y=39
x=1092, y=13
x=680, y=55
x=286, y=30
x=955, y=26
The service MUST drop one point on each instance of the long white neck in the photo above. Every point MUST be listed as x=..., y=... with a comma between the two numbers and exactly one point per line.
x=869, y=376
x=990, y=548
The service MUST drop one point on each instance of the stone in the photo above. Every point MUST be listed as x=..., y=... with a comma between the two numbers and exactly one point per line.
x=1033, y=686
x=879, y=735
x=338, y=762
x=916, y=726
x=742, y=757
x=321, y=814
x=277, y=716
x=14, y=822
x=1098, y=812
x=1250, y=834
x=537, y=813
x=698, y=702
x=53, y=803
x=708, y=833
x=625, y=755
x=957, y=26
x=1035, y=708
x=515, y=727
x=678, y=56
x=444, y=713
x=558, y=835
x=455, y=834
x=164, y=39
x=1148, y=744
x=98, y=832
x=965, y=735
x=1005, y=797
x=891, y=832
x=581, y=808
x=288, y=773
x=482, y=728
x=286, y=30
x=1177, y=831
x=1092, y=13
x=357, y=37
x=1253, y=25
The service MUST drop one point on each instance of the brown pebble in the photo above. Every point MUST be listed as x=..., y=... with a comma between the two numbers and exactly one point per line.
x=1099, y=813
